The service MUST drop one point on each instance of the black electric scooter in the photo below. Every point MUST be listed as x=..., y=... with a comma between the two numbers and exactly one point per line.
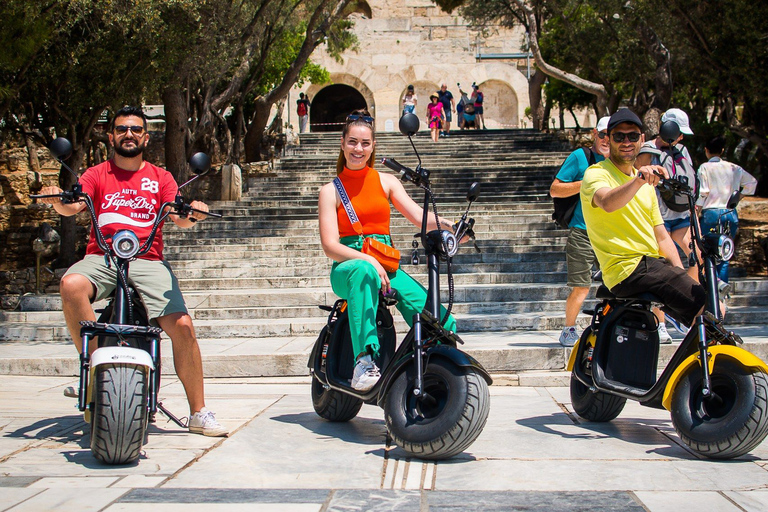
x=435, y=397
x=715, y=391
x=120, y=380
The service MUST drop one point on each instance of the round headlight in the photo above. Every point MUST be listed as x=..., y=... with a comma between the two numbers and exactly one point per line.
x=721, y=246
x=726, y=247
x=451, y=244
x=125, y=243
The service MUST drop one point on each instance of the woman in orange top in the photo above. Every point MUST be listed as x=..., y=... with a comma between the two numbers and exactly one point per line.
x=355, y=276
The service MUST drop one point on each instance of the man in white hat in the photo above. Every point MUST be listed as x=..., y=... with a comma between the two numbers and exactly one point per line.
x=579, y=254
x=676, y=159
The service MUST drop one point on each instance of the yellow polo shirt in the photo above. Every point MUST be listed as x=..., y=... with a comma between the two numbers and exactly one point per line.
x=621, y=238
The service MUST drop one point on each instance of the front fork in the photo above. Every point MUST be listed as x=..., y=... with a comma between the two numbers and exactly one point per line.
x=704, y=357
x=85, y=367
x=418, y=344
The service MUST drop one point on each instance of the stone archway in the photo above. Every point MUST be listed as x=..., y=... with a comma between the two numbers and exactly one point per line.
x=331, y=105
x=422, y=88
x=500, y=105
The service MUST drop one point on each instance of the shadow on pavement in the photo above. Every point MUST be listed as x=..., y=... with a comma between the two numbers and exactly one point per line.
x=358, y=430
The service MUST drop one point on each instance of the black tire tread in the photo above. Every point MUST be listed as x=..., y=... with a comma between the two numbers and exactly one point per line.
x=119, y=418
x=595, y=406
x=748, y=437
x=464, y=432
x=334, y=405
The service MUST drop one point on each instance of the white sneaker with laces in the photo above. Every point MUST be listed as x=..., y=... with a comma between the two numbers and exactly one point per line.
x=664, y=337
x=569, y=336
x=204, y=422
x=366, y=374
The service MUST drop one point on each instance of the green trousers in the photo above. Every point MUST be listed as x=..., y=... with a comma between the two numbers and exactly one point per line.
x=358, y=282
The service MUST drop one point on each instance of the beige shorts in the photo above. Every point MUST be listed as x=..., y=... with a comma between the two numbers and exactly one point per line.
x=154, y=280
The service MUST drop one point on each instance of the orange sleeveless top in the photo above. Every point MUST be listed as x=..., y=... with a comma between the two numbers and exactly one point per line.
x=369, y=201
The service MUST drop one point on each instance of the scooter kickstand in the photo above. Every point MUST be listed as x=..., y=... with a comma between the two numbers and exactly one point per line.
x=168, y=414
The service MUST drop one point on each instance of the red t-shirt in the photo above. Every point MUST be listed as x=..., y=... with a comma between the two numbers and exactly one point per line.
x=128, y=200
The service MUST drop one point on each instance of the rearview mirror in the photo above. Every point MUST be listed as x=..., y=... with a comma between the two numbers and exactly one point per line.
x=474, y=192
x=409, y=124
x=200, y=163
x=60, y=148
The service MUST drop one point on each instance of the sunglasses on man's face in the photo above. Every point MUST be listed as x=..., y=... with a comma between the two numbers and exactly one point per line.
x=365, y=118
x=121, y=129
x=620, y=136
x=602, y=135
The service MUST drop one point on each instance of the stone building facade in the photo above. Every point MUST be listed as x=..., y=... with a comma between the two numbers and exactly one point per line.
x=404, y=42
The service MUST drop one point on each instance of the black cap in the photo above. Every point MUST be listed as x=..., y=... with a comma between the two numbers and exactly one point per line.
x=624, y=115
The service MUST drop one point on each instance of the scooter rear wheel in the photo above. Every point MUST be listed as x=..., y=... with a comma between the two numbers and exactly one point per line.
x=594, y=405
x=120, y=413
x=333, y=405
x=447, y=419
x=732, y=425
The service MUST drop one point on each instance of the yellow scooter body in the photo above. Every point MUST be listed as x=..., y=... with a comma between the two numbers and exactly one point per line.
x=747, y=359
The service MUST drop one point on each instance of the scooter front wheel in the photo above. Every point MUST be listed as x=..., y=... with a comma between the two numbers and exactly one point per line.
x=731, y=424
x=120, y=413
x=446, y=419
x=333, y=405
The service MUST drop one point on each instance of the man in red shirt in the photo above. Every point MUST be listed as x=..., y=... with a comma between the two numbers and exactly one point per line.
x=127, y=193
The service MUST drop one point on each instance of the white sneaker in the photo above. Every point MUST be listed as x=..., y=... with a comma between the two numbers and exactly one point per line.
x=366, y=374
x=71, y=392
x=664, y=337
x=569, y=336
x=204, y=422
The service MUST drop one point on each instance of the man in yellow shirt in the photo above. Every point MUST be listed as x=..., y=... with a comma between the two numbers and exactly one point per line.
x=625, y=227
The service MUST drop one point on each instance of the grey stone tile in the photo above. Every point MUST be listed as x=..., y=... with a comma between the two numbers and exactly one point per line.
x=676, y=501
x=531, y=501
x=751, y=501
x=14, y=495
x=365, y=500
x=69, y=499
x=209, y=495
x=17, y=481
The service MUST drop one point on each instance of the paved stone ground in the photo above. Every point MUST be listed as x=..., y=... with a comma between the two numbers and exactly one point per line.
x=534, y=454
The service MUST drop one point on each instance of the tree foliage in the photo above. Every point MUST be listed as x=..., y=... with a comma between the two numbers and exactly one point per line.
x=702, y=56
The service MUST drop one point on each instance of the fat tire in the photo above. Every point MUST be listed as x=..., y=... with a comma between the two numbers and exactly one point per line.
x=119, y=415
x=594, y=406
x=448, y=428
x=734, y=428
x=333, y=405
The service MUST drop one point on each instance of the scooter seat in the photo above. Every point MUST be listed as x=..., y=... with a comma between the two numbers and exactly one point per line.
x=604, y=293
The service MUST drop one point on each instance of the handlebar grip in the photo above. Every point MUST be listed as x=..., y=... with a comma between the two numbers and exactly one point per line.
x=43, y=196
x=395, y=165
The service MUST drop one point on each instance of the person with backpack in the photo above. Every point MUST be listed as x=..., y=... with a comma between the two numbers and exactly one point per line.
x=578, y=251
x=477, y=99
x=676, y=159
x=302, y=110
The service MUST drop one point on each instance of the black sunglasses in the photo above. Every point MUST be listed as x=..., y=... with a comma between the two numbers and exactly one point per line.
x=136, y=130
x=602, y=135
x=620, y=136
x=365, y=118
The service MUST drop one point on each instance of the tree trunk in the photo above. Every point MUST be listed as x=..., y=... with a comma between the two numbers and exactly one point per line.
x=253, y=136
x=68, y=226
x=534, y=96
x=176, y=133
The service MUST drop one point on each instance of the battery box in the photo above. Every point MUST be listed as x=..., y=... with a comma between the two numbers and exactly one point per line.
x=632, y=353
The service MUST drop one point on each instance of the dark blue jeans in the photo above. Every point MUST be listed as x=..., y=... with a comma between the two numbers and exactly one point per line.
x=729, y=220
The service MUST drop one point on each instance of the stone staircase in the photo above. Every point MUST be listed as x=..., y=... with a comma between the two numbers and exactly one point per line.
x=260, y=271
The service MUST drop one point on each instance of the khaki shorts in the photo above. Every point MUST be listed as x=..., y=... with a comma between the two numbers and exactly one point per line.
x=580, y=258
x=154, y=280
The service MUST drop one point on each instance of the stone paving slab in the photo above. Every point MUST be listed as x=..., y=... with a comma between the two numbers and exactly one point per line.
x=534, y=454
